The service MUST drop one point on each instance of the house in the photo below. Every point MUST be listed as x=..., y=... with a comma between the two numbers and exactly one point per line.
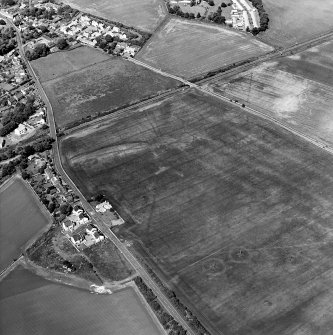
x=76, y=239
x=77, y=210
x=90, y=229
x=103, y=207
x=68, y=225
x=23, y=129
x=83, y=218
x=98, y=237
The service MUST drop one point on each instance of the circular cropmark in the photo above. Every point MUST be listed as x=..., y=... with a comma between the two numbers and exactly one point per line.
x=214, y=266
x=239, y=255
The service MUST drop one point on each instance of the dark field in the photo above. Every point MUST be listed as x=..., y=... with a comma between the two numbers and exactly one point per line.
x=144, y=14
x=20, y=219
x=30, y=305
x=188, y=49
x=236, y=213
x=78, y=89
x=297, y=90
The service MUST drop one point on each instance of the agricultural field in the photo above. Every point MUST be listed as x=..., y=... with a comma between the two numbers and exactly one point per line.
x=145, y=14
x=297, y=90
x=81, y=87
x=234, y=212
x=297, y=20
x=32, y=305
x=62, y=63
x=20, y=219
x=188, y=49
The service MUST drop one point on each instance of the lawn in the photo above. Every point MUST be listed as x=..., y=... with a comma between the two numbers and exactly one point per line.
x=31, y=305
x=297, y=20
x=297, y=90
x=144, y=14
x=235, y=212
x=20, y=219
x=81, y=87
x=188, y=49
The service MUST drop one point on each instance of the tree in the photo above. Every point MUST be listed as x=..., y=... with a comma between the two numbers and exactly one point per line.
x=62, y=43
x=211, y=3
x=108, y=38
x=223, y=4
x=2, y=22
x=66, y=209
x=51, y=207
x=198, y=16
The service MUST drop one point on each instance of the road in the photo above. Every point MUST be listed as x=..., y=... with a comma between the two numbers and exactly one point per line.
x=96, y=219
x=9, y=268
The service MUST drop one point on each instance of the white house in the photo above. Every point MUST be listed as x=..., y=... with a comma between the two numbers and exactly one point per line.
x=77, y=210
x=22, y=129
x=76, y=239
x=90, y=229
x=68, y=225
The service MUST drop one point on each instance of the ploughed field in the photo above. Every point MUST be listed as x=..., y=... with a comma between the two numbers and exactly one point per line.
x=84, y=82
x=32, y=305
x=297, y=20
x=145, y=14
x=297, y=90
x=20, y=219
x=189, y=49
x=235, y=212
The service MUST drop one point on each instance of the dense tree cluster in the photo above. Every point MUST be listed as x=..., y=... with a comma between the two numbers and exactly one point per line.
x=8, y=2
x=165, y=318
x=264, y=19
x=39, y=13
x=7, y=40
x=217, y=16
x=30, y=33
x=67, y=11
x=40, y=50
x=20, y=114
x=40, y=145
x=62, y=43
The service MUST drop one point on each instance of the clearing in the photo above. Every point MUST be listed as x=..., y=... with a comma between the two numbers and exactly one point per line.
x=79, y=88
x=235, y=212
x=297, y=20
x=21, y=218
x=144, y=14
x=32, y=305
x=188, y=49
x=297, y=90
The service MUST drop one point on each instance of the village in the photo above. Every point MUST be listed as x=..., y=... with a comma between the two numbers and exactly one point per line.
x=48, y=22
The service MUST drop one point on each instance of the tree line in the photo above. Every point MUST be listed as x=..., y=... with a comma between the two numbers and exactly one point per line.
x=168, y=322
x=264, y=19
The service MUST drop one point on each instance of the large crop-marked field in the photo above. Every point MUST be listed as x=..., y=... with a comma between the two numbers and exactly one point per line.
x=145, y=14
x=20, y=219
x=297, y=90
x=189, y=49
x=31, y=305
x=236, y=213
x=80, y=86
x=297, y=20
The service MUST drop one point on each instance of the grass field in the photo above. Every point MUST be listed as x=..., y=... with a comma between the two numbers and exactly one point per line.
x=20, y=219
x=297, y=90
x=189, y=49
x=31, y=305
x=297, y=20
x=62, y=63
x=235, y=212
x=145, y=14
x=88, y=85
